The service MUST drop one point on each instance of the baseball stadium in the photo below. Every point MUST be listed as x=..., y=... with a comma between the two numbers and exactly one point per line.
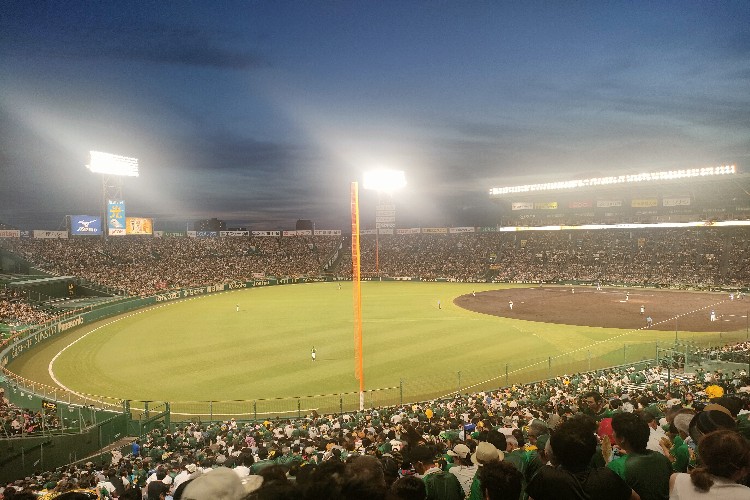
x=114, y=332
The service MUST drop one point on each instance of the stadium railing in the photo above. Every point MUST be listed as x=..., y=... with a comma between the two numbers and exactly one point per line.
x=438, y=386
x=403, y=390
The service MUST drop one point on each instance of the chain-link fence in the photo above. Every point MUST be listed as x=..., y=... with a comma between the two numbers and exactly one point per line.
x=597, y=355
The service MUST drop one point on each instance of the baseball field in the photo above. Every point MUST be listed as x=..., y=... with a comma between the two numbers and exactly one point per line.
x=422, y=339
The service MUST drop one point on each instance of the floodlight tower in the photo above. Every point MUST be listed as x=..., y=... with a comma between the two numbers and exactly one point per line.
x=384, y=182
x=112, y=168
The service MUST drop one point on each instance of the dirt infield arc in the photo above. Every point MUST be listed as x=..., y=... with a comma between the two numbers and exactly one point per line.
x=670, y=310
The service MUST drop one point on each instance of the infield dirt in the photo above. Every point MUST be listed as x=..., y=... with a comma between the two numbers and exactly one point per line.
x=614, y=307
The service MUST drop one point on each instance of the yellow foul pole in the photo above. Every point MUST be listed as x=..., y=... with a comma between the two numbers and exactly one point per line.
x=357, y=296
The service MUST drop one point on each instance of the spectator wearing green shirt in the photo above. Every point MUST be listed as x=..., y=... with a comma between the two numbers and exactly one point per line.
x=678, y=451
x=594, y=406
x=646, y=472
x=500, y=481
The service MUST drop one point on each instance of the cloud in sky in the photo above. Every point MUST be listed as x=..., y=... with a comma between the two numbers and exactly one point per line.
x=263, y=113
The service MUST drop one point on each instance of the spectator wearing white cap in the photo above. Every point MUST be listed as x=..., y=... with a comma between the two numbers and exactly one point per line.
x=188, y=472
x=484, y=454
x=463, y=468
x=218, y=484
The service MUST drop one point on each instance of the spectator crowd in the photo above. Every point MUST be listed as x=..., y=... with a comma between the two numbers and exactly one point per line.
x=140, y=265
x=615, y=433
x=16, y=311
x=678, y=257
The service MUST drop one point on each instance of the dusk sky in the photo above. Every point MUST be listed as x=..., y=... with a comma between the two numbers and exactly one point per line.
x=264, y=112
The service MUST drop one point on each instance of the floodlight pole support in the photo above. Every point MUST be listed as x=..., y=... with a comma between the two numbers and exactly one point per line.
x=111, y=190
x=377, y=251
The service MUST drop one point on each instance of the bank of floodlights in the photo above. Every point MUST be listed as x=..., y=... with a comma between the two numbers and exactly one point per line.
x=384, y=181
x=109, y=164
x=619, y=179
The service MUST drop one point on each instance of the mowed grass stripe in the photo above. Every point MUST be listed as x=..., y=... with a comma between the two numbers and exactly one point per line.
x=204, y=349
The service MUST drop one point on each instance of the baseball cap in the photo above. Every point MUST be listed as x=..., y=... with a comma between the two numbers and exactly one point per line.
x=460, y=450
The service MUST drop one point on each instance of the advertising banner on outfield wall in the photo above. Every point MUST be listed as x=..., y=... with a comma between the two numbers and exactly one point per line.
x=383, y=230
x=522, y=205
x=328, y=232
x=487, y=229
x=289, y=233
x=116, y=218
x=233, y=233
x=644, y=202
x=546, y=205
x=366, y=231
x=608, y=203
x=581, y=204
x=138, y=225
x=10, y=233
x=682, y=201
x=266, y=233
x=50, y=234
x=408, y=230
x=466, y=229
x=85, y=225
x=434, y=230
x=170, y=234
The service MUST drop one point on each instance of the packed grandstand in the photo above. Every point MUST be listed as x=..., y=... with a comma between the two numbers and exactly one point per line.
x=691, y=257
x=378, y=452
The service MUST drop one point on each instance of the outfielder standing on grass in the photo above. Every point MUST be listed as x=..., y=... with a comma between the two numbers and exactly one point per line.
x=312, y=353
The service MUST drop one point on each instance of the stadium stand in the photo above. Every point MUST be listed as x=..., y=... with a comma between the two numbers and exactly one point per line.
x=677, y=257
x=358, y=454
x=141, y=266
x=700, y=257
x=301, y=456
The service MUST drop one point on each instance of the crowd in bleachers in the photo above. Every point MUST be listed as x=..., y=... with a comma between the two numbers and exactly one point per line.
x=16, y=421
x=146, y=265
x=15, y=310
x=737, y=353
x=687, y=257
x=444, y=444
x=409, y=451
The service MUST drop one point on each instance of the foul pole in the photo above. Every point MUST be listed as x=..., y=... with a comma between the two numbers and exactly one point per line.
x=357, y=296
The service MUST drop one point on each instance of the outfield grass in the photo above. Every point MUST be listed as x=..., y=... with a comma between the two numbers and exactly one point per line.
x=203, y=349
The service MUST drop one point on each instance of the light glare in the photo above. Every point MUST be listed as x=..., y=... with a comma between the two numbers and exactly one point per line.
x=620, y=179
x=105, y=163
x=385, y=181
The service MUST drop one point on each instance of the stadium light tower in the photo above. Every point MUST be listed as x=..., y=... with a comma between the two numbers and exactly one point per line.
x=112, y=169
x=385, y=182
